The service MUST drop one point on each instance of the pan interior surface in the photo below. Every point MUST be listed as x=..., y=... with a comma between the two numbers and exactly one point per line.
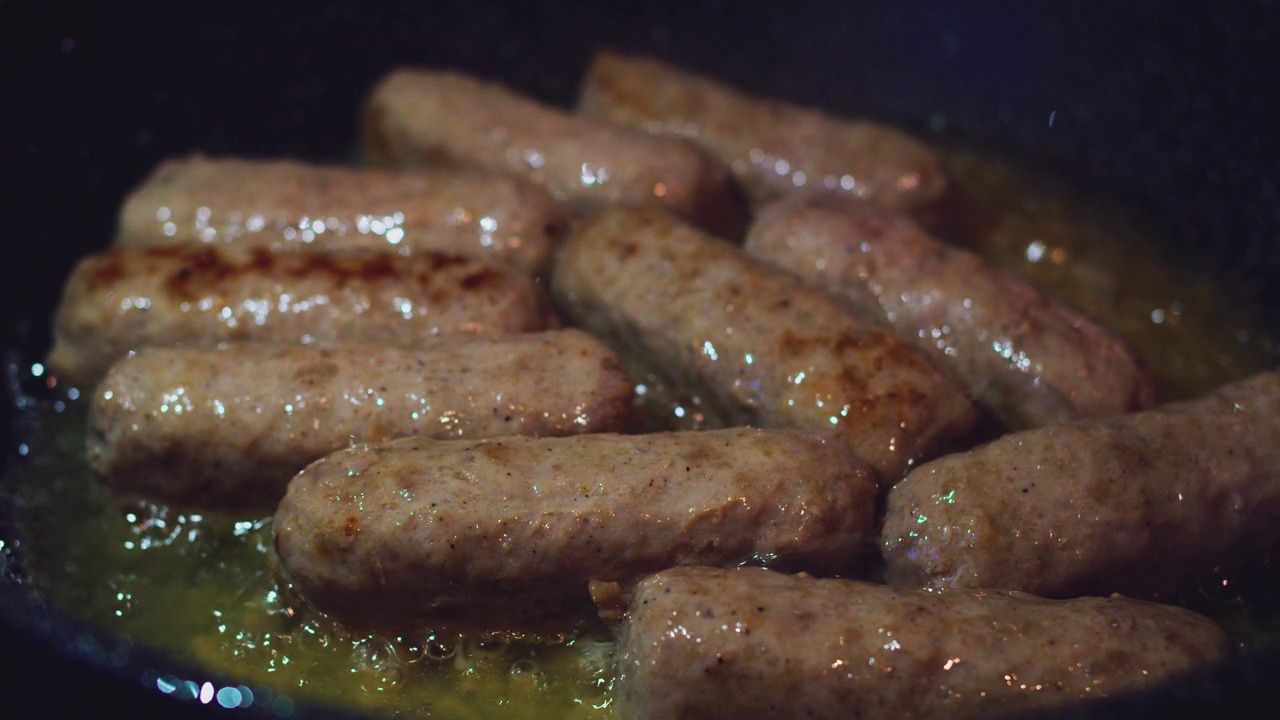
x=1132, y=122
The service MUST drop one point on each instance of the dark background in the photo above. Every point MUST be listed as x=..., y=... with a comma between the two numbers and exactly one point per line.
x=1171, y=110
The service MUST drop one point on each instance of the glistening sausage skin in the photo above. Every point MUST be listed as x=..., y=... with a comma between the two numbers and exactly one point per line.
x=125, y=299
x=1138, y=503
x=413, y=530
x=718, y=644
x=771, y=148
x=423, y=118
x=286, y=205
x=1033, y=360
x=768, y=349
x=231, y=427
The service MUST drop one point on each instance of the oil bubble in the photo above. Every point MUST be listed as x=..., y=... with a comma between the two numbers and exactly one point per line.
x=438, y=648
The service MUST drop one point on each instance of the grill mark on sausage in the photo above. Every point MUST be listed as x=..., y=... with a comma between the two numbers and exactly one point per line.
x=203, y=270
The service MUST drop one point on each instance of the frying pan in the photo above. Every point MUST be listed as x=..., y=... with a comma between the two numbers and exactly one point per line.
x=1172, y=112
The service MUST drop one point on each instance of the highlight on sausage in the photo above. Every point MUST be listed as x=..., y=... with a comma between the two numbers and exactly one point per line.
x=124, y=299
x=287, y=205
x=423, y=118
x=768, y=349
x=1031, y=359
x=717, y=644
x=413, y=531
x=772, y=148
x=1138, y=504
x=229, y=428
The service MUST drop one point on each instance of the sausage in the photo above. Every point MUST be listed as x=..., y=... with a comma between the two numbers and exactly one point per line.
x=290, y=205
x=1138, y=504
x=772, y=148
x=231, y=427
x=123, y=299
x=751, y=643
x=418, y=118
x=1031, y=359
x=767, y=349
x=413, y=530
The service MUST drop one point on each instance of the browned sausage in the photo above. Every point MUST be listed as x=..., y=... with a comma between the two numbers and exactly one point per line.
x=768, y=349
x=231, y=427
x=1137, y=504
x=413, y=530
x=290, y=205
x=770, y=147
x=418, y=118
x=124, y=299
x=1033, y=360
x=751, y=643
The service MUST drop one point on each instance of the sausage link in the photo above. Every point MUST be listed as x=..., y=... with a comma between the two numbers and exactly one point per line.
x=421, y=118
x=752, y=643
x=411, y=530
x=1031, y=359
x=771, y=148
x=231, y=427
x=124, y=299
x=1137, y=504
x=284, y=205
x=769, y=350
